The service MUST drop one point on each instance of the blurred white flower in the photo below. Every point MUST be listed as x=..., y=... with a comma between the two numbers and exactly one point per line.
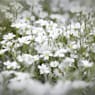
x=9, y=36
x=66, y=63
x=54, y=63
x=26, y=59
x=40, y=38
x=44, y=69
x=69, y=60
x=21, y=24
x=74, y=45
x=41, y=22
x=11, y=65
x=36, y=57
x=75, y=25
x=2, y=51
x=7, y=44
x=60, y=52
x=86, y=63
x=46, y=54
x=25, y=40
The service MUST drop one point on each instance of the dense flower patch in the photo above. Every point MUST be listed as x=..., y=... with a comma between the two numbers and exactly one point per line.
x=47, y=48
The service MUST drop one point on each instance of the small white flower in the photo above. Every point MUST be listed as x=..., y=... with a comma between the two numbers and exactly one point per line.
x=3, y=42
x=86, y=63
x=60, y=52
x=74, y=45
x=7, y=45
x=36, y=57
x=26, y=59
x=44, y=69
x=54, y=64
x=68, y=60
x=40, y=38
x=57, y=73
x=21, y=25
x=25, y=40
x=20, y=58
x=9, y=36
x=75, y=25
x=2, y=51
x=42, y=22
x=46, y=54
x=12, y=65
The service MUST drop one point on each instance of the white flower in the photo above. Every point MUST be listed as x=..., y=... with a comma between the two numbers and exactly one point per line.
x=54, y=64
x=17, y=45
x=44, y=69
x=25, y=40
x=12, y=65
x=60, y=52
x=57, y=73
x=54, y=34
x=27, y=59
x=75, y=25
x=36, y=57
x=42, y=22
x=22, y=24
x=86, y=63
x=3, y=42
x=20, y=58
x=46, y=54
x=2, y=51
x=7, y=44
x=9, y=36
x=74, y=45
x=66, y=62
x=40, y=38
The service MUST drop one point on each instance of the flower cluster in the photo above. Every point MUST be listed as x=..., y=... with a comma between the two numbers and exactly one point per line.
x=47, y=42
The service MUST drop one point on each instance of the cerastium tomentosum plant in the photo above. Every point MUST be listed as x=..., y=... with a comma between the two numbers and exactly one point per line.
x=47, y=45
